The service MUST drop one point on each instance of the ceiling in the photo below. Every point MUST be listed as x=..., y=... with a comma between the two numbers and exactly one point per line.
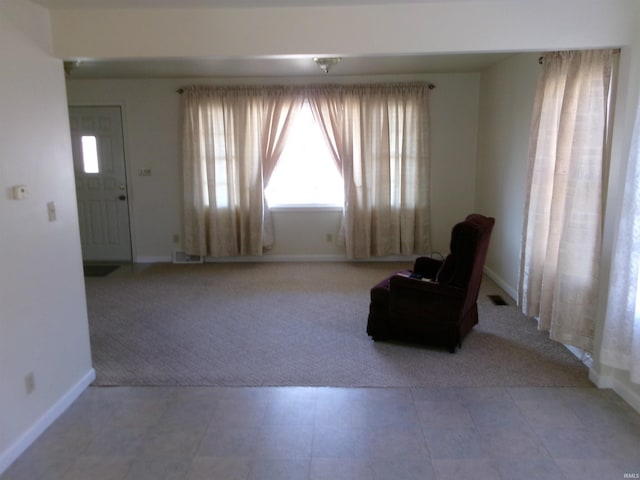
x=282, y=66
x=232, y=3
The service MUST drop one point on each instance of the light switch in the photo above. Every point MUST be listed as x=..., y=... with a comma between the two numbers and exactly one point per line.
x=51, y=211
x=19, y=192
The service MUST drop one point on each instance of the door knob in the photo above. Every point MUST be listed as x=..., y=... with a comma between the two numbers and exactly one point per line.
x=122, y=197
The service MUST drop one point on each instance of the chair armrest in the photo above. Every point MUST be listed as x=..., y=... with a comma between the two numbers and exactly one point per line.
x=414, y=296
x=427, y=267
x=425, y=286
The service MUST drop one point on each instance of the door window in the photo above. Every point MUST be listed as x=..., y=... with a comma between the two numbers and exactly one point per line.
x=90, y=154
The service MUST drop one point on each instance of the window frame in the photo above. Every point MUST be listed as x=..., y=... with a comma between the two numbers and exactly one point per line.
x=293, y=206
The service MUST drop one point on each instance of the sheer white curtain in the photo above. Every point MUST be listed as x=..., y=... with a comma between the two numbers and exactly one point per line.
x=563, y=223
x=380, y=138
x=620, y=346
x=232, y=139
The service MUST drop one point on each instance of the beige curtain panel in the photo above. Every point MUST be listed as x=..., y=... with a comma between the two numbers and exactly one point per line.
x=563, y=222
x=380, y=136
x=379, y=139
x=232, y=139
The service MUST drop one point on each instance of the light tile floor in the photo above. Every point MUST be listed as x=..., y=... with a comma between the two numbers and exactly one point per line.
x=275, y=433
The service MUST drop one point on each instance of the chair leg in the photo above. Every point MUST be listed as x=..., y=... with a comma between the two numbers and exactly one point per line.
x=454, y=344
x=379, y=337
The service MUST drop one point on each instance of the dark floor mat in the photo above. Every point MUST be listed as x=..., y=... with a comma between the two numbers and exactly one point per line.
x=497, y=300
x=99, y=270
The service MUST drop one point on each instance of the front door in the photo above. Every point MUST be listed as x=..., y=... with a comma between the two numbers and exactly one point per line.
x=101, y=183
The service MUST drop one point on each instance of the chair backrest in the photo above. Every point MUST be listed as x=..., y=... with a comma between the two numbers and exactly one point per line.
x=464, y=266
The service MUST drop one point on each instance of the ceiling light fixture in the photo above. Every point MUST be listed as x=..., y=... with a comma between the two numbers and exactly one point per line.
x=70, y=66
x=325, y=63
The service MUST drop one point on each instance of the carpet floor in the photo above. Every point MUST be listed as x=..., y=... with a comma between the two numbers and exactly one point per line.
x=282, y=324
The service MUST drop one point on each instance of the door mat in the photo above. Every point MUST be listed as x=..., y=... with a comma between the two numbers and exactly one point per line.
x=99, y=270
x=497, y=300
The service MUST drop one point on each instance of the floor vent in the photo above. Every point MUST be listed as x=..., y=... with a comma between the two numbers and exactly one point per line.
x=182, y=257
x=497, y=300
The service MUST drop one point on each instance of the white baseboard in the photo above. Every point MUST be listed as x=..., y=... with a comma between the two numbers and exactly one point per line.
x=283, y=258
x=158, y=259
x=277, y=258
x=34, y=431
x=309, y=258
x=581, y=355
x=512, y=292
x=614, y=383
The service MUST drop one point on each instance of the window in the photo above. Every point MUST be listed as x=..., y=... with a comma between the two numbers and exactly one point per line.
x=90, y=154
x=381, y=218
x=306, y=173
x=220, y=164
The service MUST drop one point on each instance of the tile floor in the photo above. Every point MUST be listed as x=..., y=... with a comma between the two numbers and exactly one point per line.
x=275, y=433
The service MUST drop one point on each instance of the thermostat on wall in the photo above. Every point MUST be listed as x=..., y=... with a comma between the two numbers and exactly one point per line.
x=19, y=192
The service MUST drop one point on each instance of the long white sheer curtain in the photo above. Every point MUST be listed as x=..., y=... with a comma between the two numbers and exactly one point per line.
x=232, y=139
x=620, y=346
x=563, y=224
x=379, y=136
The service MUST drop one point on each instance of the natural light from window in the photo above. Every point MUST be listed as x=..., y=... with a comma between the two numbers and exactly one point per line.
x=90, y=154
x=306, y=174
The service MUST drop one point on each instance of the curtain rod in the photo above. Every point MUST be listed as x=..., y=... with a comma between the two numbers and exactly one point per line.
x=541, y=57
x=430, y=86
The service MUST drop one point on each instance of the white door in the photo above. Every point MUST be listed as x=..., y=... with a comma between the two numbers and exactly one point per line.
x=101, y=183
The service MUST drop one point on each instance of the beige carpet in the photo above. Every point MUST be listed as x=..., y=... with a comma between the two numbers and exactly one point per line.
x=296, y=324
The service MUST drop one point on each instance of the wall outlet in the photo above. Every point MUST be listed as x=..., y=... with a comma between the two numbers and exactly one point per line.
x=29, y=383
x=51, y=211
x=329, y=237
x=176, y=238
x=181, y=257
x=19, y=192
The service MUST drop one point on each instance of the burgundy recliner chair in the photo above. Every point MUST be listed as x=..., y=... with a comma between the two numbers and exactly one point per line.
x=436, y=302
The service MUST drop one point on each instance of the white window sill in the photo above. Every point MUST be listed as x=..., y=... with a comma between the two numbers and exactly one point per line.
x=306, y=208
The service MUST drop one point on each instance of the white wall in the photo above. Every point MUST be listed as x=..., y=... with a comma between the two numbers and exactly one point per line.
x=626, y=107
x=506, y=105
x=43, y=318
x=151, y=111
x=430, y=27
x=396, y=28
x=151, y=128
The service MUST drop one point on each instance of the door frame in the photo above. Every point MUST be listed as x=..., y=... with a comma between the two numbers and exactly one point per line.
x=127, y=169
